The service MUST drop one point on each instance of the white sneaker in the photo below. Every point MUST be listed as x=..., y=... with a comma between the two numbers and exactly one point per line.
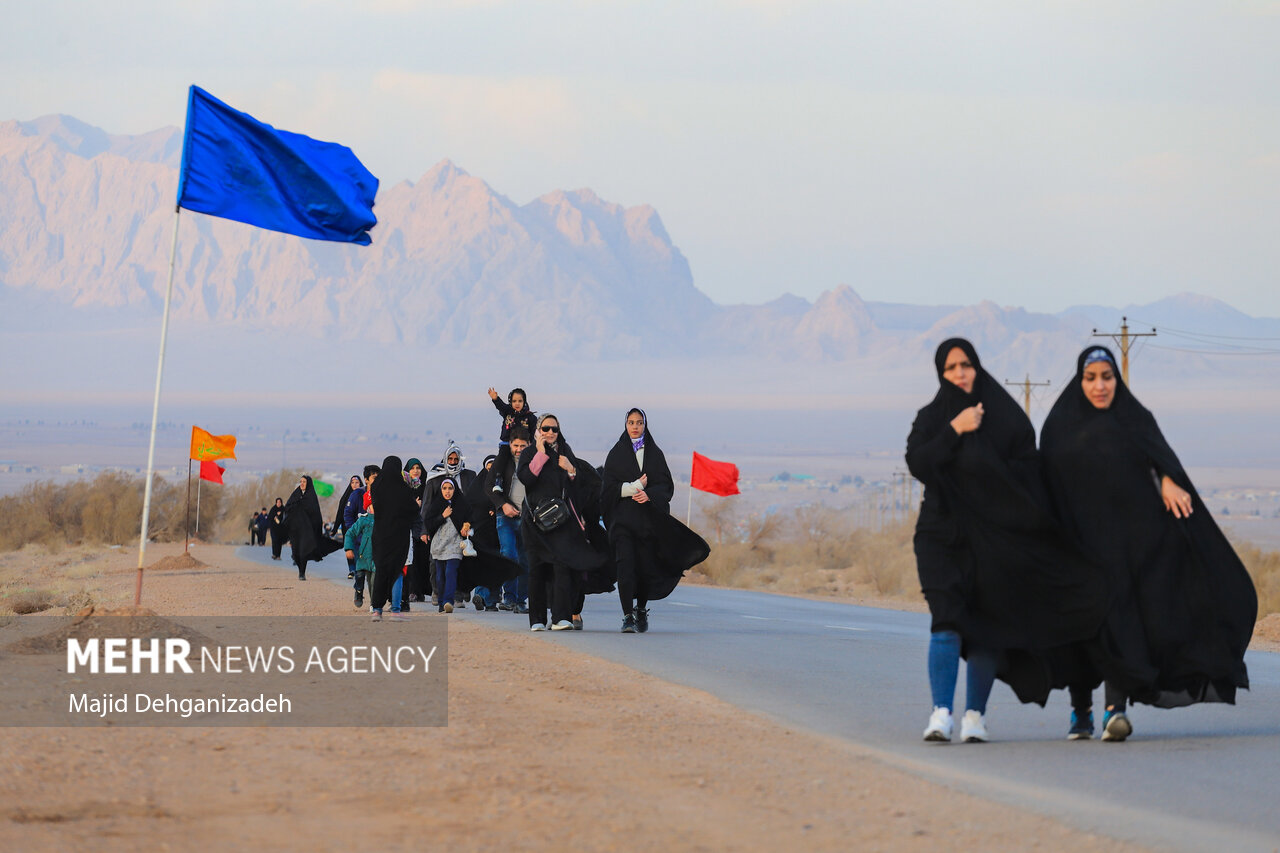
x=562, y=625
x=973, y=729
x=538, y=626
x=939, y=728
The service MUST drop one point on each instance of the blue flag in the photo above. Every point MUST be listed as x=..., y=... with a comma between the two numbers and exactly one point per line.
x=236, y=167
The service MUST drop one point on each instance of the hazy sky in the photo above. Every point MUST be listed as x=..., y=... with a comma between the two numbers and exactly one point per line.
x=1034, y=152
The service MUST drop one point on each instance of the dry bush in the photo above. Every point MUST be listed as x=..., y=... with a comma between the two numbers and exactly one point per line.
x=813, y=550
x=1264, y=568
x=104, y=510
x=29, y=601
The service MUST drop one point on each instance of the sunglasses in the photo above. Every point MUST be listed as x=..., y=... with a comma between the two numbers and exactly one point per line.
x=550, y=429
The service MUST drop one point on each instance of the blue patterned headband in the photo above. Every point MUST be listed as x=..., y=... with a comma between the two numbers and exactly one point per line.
x=1097, y=355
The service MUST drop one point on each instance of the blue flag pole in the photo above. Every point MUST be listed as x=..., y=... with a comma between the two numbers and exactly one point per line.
x=155, y=412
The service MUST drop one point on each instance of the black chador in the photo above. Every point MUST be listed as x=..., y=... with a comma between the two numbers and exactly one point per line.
x=306, y=535
x=395, y=514
x=994, y=565
x=651, y=549
x=1182, y=606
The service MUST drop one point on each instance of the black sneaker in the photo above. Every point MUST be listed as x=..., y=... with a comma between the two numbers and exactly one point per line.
x=359, y=599
x=505, y=605
x=522, y=608
x=629, y=623
x=351, y=576
x=1081, y=726
x=642, y=620
x=404, y=607
x=491, y=608
x=477, y=602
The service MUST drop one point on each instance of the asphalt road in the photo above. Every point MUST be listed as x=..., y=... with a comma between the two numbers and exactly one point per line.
x=1199, y=778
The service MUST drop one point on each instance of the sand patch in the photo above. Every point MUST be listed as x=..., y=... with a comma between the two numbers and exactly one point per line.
x=176, y=561
x=93, y=621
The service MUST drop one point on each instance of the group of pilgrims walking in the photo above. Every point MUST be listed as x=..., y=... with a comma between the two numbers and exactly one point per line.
x=534, y=531
x=1091, y=560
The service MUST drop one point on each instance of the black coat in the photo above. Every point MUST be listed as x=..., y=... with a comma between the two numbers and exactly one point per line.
x=676, y=548
x=1182, y=605
x=396, y=517
x=993, y=562
x=579, y=543
x=307, y=541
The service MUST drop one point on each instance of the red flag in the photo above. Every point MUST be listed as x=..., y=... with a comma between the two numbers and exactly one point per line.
x=211, y=471
x=718, y=478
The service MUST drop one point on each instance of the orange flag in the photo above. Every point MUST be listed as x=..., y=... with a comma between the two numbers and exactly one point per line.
x=206, y=446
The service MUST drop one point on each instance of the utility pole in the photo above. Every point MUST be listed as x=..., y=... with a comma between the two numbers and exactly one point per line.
x=1026, y=385
x=1124, y=340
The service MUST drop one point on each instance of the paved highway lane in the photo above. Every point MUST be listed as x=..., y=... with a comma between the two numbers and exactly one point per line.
x=1200, y=778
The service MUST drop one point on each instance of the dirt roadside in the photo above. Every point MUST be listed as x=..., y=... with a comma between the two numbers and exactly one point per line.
x=546, y=748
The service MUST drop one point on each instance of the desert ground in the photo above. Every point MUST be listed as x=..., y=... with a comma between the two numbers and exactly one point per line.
x=545, y=748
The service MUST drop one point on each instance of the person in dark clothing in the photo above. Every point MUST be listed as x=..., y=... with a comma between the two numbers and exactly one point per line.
x=484, y=529
x=452, y=465
x=278, y=533
x=1004, y=587
x=554, y=477
x=339, y=526
x=651, y=550
x=506, y=493
x=447, y=521
x=260, y=531
x=306, y=537
x=398, y=523
x=418, y=582
x=354, y=505
x=1182, y=605
x=515, y=413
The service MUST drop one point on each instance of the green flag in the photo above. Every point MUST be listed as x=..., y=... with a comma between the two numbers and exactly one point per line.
x=323, y=489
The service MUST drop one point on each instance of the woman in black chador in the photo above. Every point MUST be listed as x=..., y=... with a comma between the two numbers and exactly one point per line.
x=1182, y=605
x=564, y=557
x=306, y=535
x=1004, y=589
x=397, y=523
x=651, y=549
x=278, y=531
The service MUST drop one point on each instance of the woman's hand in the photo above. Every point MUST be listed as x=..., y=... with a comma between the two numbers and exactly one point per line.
x=1176, y=499
x=968, y=420
x=644, y=481
x=540, y=441
x=640, y=498
x=448, y=511
x=567, y=466
x=425, y=538
x=466, y=530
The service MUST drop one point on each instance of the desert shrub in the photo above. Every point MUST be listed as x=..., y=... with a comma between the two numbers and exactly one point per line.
x=1264, y=568
x=29, y=601
x=812, y=550
x=104, y=510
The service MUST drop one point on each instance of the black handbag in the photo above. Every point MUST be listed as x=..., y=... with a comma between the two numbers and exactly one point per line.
x=550, y=514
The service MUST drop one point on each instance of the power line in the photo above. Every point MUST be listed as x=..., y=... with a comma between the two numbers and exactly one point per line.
x=1124, y=340
x=1215, y=352
x=1211, y=335
x=1026, y=385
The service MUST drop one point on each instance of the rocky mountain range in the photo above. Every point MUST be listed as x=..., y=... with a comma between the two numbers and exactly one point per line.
x=455, y=266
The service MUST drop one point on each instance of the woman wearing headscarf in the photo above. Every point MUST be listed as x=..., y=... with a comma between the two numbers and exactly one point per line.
x=1004, y=588
x=1182, y=605
x=418, y=582
x=398, y=522
x=339, y=518
x=447, y=520
x=306, y=538
x=454, y=466
x=278, y=531
x=651, y=550
x=556, y=538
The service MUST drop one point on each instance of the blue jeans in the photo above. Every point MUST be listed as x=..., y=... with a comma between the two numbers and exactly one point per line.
x=397, y=592
x=511, y=541
x=944, y=669
x=447, y=578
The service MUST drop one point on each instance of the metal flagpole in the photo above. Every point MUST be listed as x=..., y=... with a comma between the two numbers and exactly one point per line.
x=688, y=516
x=198, y=484
x=155, y=413
x=186, y=530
